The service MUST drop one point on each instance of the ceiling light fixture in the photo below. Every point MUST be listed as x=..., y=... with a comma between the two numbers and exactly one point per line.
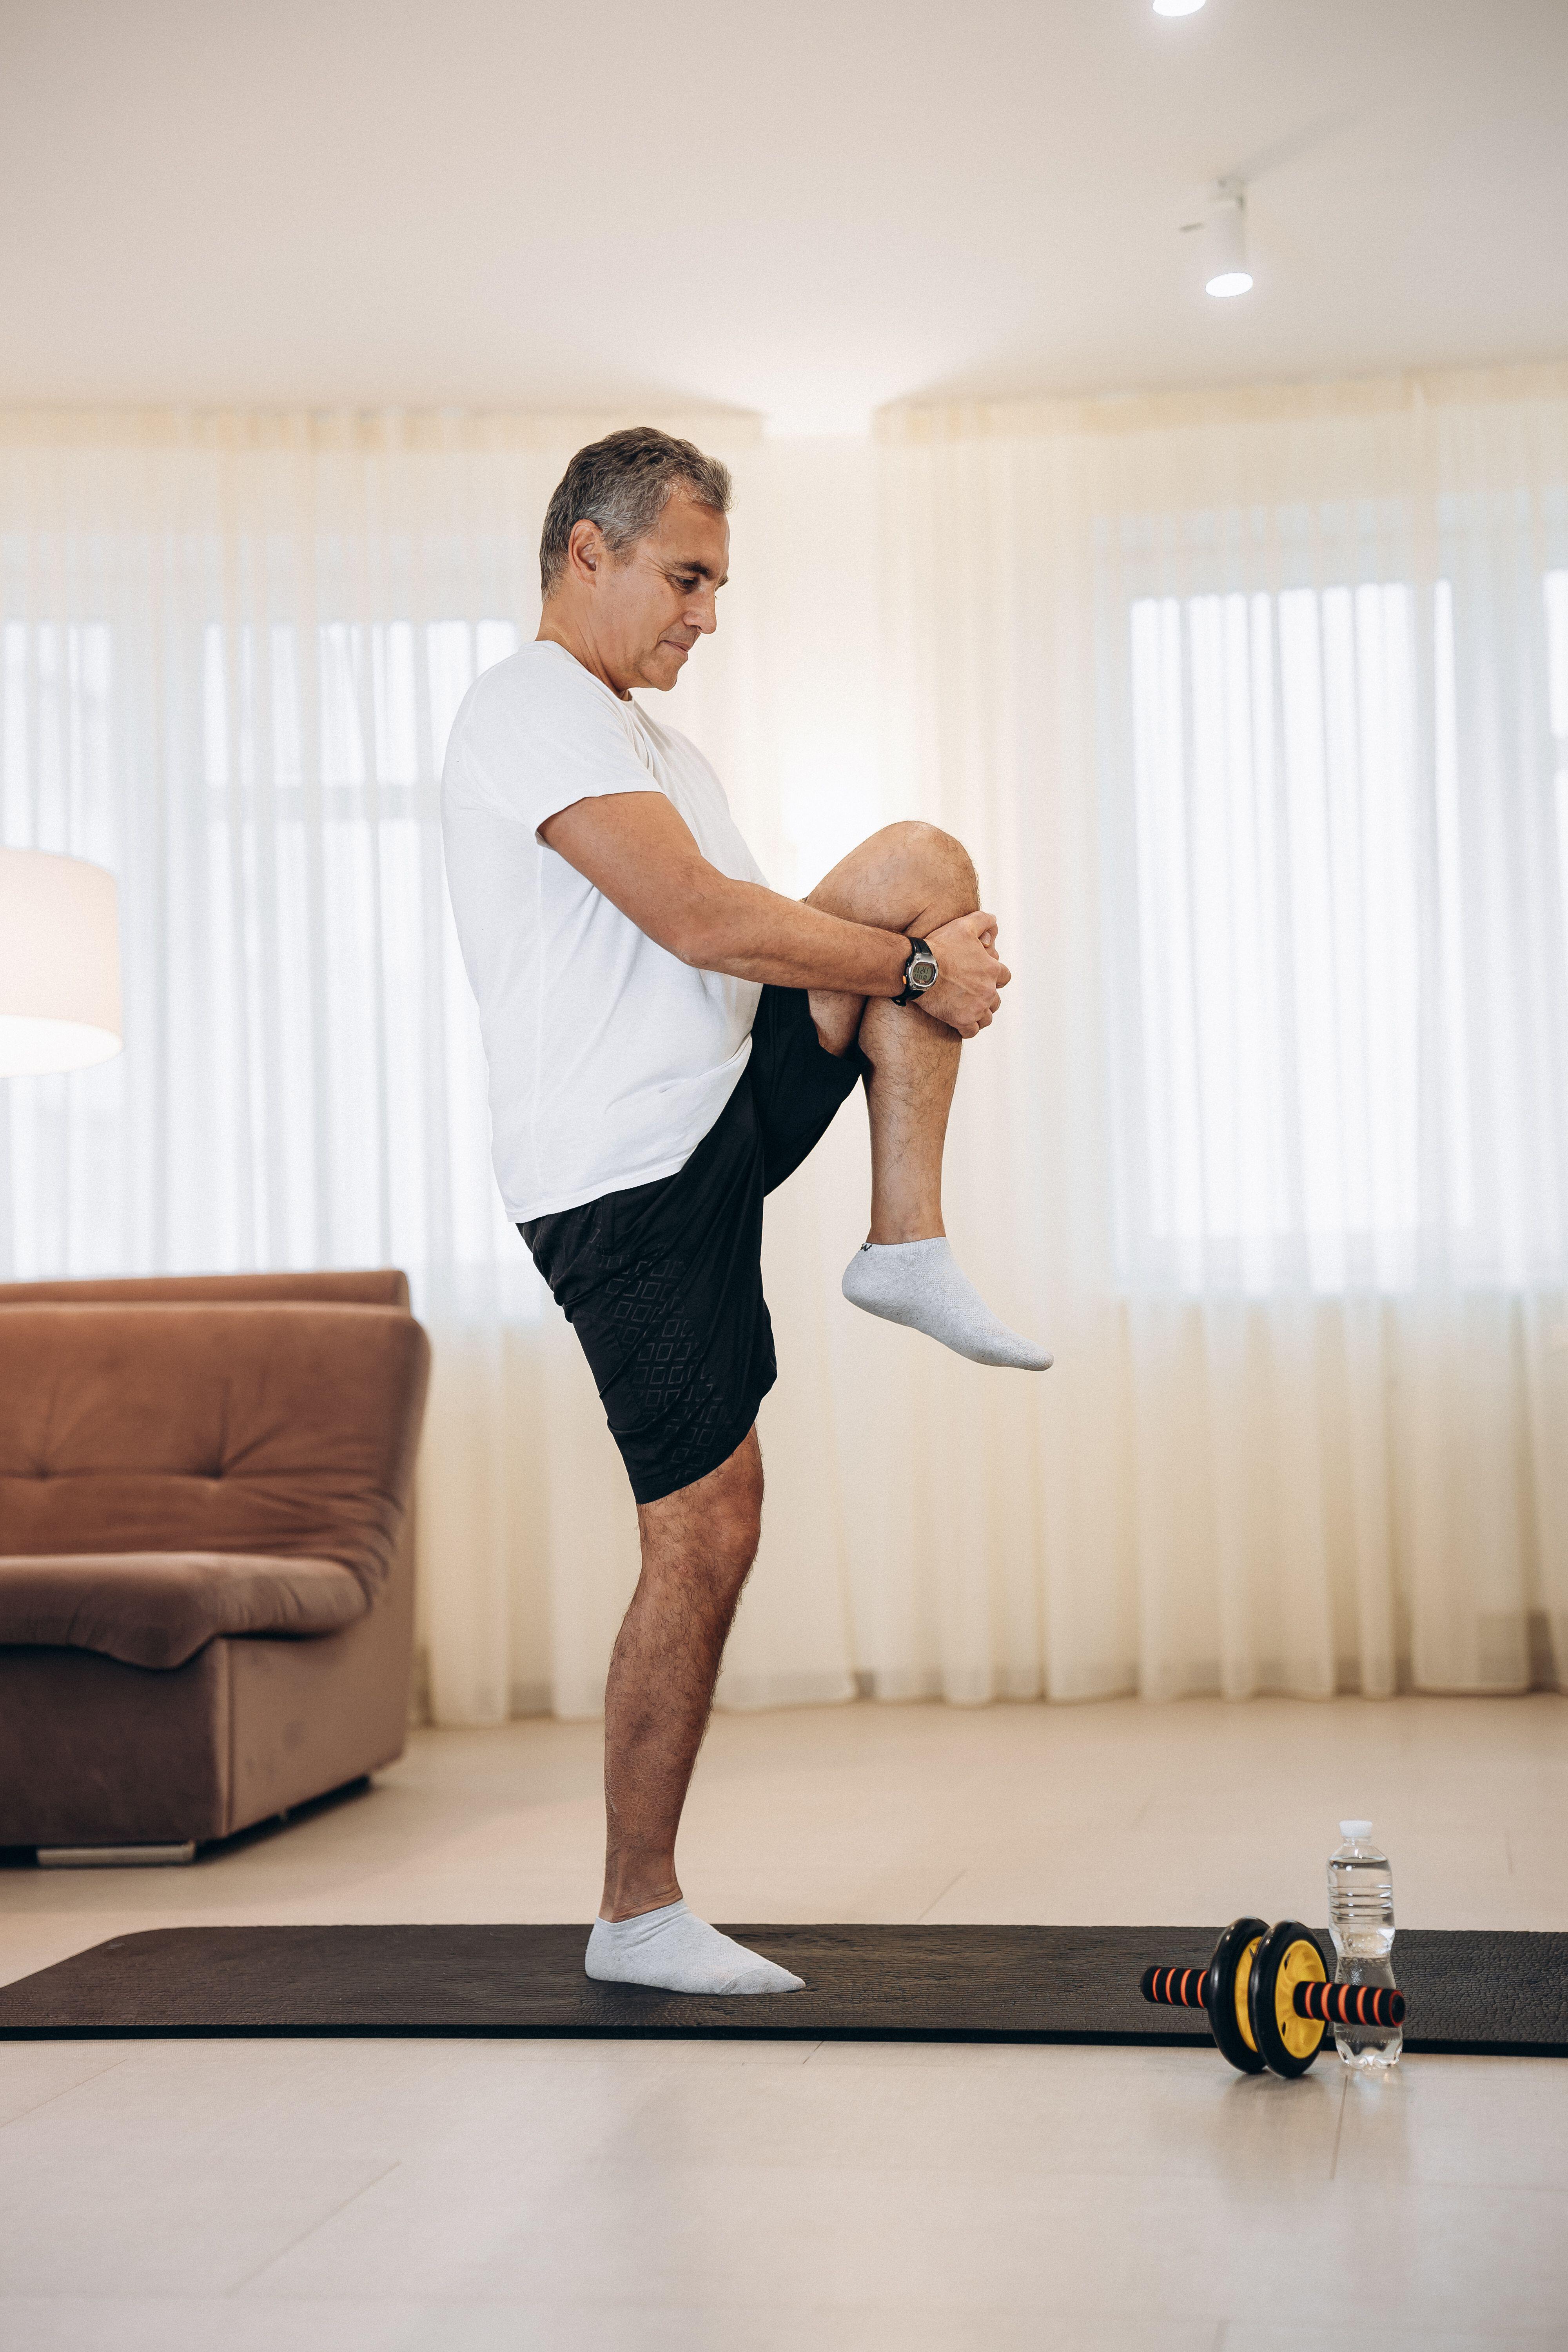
x=1224, y=229
x=1177, y=7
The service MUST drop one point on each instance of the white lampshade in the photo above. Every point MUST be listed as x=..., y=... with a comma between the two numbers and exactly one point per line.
x=59, y=963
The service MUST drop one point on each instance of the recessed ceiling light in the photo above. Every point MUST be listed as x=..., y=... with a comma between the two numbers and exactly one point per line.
x=1177, y=7
x=1229, y=281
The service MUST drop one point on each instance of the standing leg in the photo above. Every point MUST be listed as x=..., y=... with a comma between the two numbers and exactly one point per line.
x=913, y=878
x=697, y=1546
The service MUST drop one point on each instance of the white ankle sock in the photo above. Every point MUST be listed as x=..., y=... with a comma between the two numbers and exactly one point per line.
x=921, y=1284
x=677, y=1950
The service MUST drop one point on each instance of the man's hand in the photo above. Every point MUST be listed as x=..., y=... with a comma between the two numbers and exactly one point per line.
x=966, y=996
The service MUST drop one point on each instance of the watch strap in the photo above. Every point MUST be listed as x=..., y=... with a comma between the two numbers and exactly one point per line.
x=911, y=994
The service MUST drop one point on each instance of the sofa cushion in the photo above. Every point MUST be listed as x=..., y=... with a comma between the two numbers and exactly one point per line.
x=159, y=1607
x=263, y=1429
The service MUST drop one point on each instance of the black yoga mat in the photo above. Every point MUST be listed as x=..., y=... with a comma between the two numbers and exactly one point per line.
x=1475, y=1993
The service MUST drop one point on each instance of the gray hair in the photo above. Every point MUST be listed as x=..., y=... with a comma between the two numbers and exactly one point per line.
x=622, y=484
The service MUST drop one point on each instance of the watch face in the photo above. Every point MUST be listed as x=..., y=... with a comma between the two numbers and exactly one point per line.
x=922, y=972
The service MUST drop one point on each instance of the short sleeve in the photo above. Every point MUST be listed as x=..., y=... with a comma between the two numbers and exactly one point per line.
x=540, y=732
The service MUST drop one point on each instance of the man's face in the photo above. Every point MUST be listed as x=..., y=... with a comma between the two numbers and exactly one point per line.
x=651, y=608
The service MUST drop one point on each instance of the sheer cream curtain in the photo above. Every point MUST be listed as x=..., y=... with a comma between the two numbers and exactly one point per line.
x=1255, y=713
x=1254, y=708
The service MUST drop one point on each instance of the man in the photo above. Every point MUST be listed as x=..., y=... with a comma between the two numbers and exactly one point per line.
x=668, y=1039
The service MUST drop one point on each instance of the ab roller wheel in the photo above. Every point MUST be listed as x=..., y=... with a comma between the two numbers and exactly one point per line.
x=1286, y=1958
x=1267, y=1997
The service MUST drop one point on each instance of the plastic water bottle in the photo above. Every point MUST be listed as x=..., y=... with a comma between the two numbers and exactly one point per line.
x=1360, y=1916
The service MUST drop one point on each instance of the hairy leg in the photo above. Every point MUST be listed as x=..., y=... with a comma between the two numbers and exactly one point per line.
x=909, y=877
x=697, y=1546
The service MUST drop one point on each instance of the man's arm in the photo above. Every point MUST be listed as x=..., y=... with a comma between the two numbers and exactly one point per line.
x=640, y=851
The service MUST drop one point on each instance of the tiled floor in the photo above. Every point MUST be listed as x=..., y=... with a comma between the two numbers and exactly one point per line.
x=467, y=2196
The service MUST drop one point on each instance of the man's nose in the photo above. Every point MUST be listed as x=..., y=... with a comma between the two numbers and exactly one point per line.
x=703, y=614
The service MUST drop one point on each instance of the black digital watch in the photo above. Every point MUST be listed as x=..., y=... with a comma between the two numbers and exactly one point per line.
x=921, y=972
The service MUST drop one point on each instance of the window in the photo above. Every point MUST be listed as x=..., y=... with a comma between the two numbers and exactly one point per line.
x=56, y=686
x=1300, y=986
x=303, y=1082
x=1557, y=703
x=338, y=1004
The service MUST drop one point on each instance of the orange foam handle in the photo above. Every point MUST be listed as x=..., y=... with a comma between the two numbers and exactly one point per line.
x=1174, y=1987
x=1349, y=2005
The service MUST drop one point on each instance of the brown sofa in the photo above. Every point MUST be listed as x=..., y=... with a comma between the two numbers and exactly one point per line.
x=207, y=1580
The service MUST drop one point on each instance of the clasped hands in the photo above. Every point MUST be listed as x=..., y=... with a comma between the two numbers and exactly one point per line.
x=966, y=996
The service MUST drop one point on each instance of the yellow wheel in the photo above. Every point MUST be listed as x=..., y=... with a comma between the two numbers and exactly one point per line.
x=1225, y=1993
x=1286, y=1958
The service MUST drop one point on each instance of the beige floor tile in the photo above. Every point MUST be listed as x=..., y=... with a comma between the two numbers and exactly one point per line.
x=31, y=2074
x=1501, y=2123
x=1244, y=2337
x=164, y=2220
x=69, y=2324
x=1194, y=2251
x=1156, y=2113
x=192, y=2323
x=379, y=2102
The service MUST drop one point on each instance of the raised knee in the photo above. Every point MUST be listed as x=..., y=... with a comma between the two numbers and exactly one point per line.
x=936, y=860
x=911, y=837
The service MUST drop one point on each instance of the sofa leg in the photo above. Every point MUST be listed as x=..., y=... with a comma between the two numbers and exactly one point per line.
x=113, y=1857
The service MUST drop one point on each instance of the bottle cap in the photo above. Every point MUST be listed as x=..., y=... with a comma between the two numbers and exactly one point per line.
x=1355, y=1829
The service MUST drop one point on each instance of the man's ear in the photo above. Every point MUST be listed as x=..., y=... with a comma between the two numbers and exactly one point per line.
x=586, y=550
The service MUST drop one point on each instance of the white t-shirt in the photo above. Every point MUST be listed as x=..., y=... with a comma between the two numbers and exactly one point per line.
x=609, y=1059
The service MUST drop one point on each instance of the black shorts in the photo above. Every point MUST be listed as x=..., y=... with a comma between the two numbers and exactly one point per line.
x=663, y=1283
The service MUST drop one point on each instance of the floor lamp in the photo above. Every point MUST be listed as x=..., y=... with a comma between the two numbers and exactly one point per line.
x=59, y=963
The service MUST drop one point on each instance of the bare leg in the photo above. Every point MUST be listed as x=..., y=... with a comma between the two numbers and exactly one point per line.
x=913, y=878
x=697, y=1546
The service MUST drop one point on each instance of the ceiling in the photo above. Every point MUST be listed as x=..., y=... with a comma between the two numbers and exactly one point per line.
x=805, y=211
